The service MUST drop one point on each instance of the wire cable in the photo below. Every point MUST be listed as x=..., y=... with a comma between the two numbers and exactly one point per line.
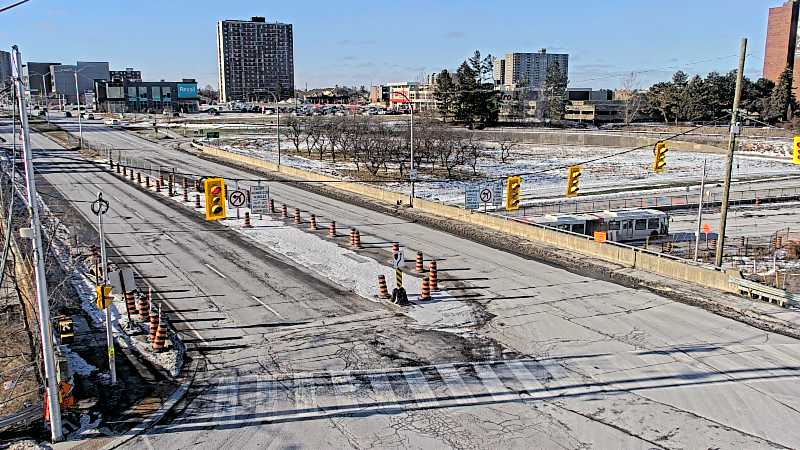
x=13, y=5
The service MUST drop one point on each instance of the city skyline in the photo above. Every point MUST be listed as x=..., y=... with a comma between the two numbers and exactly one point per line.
x=358, y=48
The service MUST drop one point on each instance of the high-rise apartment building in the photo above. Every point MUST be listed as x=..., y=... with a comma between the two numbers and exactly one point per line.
x=256, y=60
x=781, y=47
x=531, y=68
x=5, y=68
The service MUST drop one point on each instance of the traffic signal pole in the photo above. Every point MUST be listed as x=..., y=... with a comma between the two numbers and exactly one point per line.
x=726, y=190
x=56, y=433
x=100, y=207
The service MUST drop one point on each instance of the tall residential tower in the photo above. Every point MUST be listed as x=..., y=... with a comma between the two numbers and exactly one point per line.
x=781, y=47
x=255, y=60
x=530, y=68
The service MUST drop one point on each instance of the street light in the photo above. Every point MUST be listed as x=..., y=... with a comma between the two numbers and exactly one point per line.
x=277, y=126
x=412, y=174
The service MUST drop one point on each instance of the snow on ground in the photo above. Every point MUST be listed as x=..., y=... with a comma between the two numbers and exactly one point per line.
x=623, y=171
x=76, y=363
x=346, y=268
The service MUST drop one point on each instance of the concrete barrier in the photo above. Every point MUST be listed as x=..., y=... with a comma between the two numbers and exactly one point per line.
x=627, y=256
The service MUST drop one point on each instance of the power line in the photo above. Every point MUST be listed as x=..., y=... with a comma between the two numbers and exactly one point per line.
x=13, y=6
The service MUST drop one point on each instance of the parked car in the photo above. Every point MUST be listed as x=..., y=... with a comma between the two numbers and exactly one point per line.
x=90, y=116
x=67, y=114
x=42, y=113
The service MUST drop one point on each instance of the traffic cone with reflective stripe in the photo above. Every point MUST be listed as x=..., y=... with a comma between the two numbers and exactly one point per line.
x=395, y=249
x=153, y=322
x=196, y=201
x=432, y=277
x=352, y=237
x=271, y=206
x=158, y=186
x=419, y=263
x=247, y=223
x=144, y=306
x=312, y=223
x=161, y=332
x=147, y=181
x=332, y=229
x=186, y=196
x=139, y=177
x=297, y=216
x=285, y=211
x=357, y=240
x=130, y=302
x=383, y=291
x=426, y=290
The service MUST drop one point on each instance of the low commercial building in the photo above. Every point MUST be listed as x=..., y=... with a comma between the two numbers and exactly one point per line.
x=125, y=75
x=64, y=78
x=38, y=77
x=147, y=96
x=595, y=111
x=420, y=94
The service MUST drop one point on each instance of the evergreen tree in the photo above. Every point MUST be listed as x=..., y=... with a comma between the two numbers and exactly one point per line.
x=445, y=94
x=782, y=101
x=555, y=92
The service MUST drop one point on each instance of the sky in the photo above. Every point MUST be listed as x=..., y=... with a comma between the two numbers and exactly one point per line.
x=355, y=42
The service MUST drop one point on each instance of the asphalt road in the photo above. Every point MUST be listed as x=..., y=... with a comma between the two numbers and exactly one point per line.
x=581, y=362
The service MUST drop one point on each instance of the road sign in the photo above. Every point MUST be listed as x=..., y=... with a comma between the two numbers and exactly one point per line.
x=238, y=198
x=122, y=281
x=398, y=260
x=259, y=200
x=479, y=194
x=103, y=292
x=706, y=228
x=412, y=174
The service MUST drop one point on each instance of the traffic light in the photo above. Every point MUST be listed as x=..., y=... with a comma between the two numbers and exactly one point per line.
x=513, y=192
x=214, y=188
x=660, y=153
x=103, y=292
x=573, y=180
x=796, y=150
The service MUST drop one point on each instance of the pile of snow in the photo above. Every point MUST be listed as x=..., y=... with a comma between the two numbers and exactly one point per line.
x=77, y=364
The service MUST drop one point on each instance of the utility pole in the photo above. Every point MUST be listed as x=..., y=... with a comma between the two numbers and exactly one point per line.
x=700, y=211
x=54, y=409
x=100, y=207
x=726, y=190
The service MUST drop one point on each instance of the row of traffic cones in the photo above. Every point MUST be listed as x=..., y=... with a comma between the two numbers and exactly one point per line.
x=430, y=283
x=145, y=310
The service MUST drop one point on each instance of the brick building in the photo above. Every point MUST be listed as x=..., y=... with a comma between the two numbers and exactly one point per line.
x=781, y=47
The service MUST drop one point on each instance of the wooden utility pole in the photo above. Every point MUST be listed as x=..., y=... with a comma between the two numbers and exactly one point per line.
x=723, y=218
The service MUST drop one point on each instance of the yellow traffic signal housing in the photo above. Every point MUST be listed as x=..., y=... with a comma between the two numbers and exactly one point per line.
x=66, y=329
x=660, y=152
x=796, y=150
x=103, y=292
x=513, y=193
x=573, y=180
x=214, y=189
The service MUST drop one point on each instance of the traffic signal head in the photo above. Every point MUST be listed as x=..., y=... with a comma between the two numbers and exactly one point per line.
x=796, y=150
x=660, y=153
x=513, y=193
x=573, y=180
x=214, y=189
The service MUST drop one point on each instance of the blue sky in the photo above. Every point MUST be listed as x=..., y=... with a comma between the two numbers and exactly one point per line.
x=354, y=42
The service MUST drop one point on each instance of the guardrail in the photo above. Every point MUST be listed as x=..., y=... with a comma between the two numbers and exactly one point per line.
x=28, y=414
x=760, y=291
x=656, y=201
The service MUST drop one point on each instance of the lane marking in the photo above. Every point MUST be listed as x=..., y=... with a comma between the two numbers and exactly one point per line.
x=268, y=307
x=215, y=271
x=169, y=238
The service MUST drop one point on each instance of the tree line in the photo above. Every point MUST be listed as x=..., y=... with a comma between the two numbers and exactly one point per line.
x=377, y=147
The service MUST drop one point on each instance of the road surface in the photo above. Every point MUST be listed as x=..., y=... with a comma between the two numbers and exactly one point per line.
x=557, y=360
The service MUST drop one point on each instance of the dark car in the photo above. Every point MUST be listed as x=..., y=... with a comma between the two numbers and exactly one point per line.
x=67, y=114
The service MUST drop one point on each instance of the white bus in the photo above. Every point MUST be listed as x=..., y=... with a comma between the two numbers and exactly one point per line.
x=620, y=226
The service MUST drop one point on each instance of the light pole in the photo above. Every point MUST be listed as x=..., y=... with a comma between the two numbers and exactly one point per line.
x=277, y=126
x=78, y=97
x=412, y=174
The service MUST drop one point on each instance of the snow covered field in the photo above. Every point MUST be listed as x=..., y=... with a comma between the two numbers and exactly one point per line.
x=631, y=170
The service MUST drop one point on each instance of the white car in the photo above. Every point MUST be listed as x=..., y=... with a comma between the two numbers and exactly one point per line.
x=113, y=122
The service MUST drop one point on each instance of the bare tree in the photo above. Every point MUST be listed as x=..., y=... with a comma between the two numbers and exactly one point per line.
x=295, y=131
x=506, y=143
x=632, y=99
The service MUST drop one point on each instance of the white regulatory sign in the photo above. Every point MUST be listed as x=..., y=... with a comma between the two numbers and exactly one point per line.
x=398, y=260
x=259, y=200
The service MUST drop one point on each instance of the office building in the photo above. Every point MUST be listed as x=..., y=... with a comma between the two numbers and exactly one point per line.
x=122, y=96
x=5, y=69
x=125, y=75
x=40, y=81
x=63, y=78
x=255, y=59
x=527, y=68
x=781, y=45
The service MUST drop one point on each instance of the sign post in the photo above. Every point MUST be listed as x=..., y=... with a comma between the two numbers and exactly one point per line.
x=100, y=207
x=259, y=200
